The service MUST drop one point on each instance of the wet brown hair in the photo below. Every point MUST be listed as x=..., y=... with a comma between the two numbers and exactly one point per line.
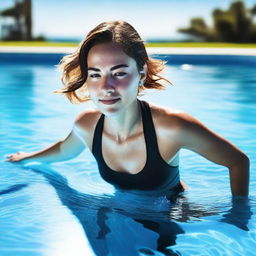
x=74, y=66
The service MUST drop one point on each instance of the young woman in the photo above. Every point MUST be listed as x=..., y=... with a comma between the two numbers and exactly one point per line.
x=135, y=143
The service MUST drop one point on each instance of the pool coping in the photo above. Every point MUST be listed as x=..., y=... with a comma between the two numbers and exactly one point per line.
x=150, y=50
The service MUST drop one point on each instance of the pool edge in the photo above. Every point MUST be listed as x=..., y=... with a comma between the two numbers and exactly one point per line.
x=150, y=50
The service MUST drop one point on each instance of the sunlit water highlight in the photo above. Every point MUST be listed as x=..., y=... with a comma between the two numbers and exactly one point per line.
x=67, y=209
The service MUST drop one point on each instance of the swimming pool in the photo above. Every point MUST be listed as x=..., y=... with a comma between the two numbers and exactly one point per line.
x=67, y=209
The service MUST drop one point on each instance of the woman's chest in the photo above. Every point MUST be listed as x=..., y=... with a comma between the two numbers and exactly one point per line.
x=132, y=155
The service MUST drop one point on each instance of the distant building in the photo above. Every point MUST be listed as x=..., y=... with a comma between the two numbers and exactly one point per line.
x=16, y=21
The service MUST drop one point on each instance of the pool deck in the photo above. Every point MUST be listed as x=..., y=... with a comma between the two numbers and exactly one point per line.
x=150, y=50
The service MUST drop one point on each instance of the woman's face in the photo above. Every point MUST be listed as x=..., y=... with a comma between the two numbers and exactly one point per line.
x=113, y=78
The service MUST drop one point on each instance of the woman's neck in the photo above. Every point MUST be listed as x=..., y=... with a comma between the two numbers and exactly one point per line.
x=124, y=124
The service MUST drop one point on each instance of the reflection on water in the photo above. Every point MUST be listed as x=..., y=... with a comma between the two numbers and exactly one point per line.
x=114, y=227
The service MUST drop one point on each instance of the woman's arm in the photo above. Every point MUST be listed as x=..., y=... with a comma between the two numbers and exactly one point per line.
x=62, y=150
x=195, y=136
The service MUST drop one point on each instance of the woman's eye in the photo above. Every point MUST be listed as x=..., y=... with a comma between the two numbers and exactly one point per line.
x=94, y=75
x=120, y=74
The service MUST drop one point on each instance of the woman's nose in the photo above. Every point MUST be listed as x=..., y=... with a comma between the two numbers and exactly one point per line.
x=107, y=84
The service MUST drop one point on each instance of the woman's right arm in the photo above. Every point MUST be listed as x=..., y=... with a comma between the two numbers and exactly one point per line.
x=62, y=150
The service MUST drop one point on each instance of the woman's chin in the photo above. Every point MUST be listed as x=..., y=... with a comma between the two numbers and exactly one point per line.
x=110, y=111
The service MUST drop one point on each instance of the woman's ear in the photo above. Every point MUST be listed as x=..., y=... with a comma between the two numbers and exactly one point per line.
x=143, y=73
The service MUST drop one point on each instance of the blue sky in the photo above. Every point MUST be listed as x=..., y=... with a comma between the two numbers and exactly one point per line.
x=152, y=19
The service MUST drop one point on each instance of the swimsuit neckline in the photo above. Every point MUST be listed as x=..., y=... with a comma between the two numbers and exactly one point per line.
x=146, y=144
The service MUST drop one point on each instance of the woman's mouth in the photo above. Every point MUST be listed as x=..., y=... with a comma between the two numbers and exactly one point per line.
x=109, y=102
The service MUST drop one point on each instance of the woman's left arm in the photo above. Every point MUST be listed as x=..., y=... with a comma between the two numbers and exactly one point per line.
x=193, y=135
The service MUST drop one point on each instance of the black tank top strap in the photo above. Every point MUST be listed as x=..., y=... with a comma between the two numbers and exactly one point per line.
x=97, y=137
x=149, y=131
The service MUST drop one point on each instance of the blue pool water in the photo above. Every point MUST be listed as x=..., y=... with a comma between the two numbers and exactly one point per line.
x=67, y=209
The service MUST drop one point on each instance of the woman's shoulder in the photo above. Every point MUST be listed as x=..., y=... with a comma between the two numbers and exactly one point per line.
x=175, y=125
x=87, y=119
x=170, y=117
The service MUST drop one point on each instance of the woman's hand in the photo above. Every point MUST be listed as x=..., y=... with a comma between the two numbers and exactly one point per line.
x=17, y=156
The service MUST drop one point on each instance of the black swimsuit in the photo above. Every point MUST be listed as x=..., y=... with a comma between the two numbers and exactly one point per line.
x=157, y=173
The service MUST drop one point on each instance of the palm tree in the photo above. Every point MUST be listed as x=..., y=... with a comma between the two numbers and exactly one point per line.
x=234, y=25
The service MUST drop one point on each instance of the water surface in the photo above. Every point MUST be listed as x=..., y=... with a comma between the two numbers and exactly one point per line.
x=67, y=209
